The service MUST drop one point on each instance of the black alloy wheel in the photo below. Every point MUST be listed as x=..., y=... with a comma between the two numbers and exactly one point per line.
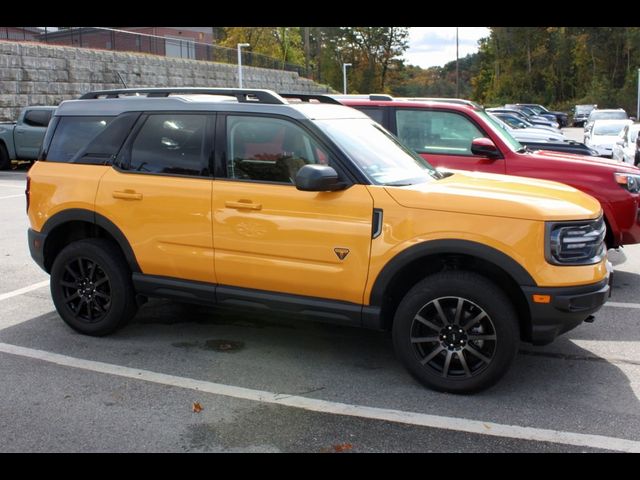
x=91, y=287
x=456, y=331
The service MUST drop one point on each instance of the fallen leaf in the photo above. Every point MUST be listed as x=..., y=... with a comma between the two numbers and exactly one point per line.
x=196, y=407
x=342, y=447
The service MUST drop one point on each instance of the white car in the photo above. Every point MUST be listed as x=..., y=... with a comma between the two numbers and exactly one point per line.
x=604, y=135
x=602, y=114
x=625, y=147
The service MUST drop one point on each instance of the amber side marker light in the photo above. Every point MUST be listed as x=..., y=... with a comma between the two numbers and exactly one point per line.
x=542, y=298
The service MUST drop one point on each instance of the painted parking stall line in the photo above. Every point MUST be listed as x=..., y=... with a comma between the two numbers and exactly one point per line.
x=622, y=305
x=336, y=408
x=22, y=291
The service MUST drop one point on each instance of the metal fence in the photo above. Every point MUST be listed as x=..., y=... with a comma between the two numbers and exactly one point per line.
x=167, y=44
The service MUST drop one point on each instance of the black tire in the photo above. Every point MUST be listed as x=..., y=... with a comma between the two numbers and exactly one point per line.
x=91, y=287
x=5, y=161
x=461, y=353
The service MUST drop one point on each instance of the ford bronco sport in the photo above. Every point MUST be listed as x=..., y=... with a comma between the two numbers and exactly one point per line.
x=235, y=197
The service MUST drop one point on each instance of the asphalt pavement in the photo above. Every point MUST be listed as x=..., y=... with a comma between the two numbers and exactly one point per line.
x=185, y=378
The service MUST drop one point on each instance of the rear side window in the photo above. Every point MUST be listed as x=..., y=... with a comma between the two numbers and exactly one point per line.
x=37, y=118
x=74, y=134
x=172, y=144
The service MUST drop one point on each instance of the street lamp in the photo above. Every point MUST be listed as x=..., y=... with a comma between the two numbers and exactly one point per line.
x=240, y=45
x=344, y=76
x=638, y=107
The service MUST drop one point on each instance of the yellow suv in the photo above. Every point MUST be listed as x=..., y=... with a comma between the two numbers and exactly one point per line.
x=236, y=197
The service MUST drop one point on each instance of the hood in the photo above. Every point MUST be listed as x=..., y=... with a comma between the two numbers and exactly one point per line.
x=499, y=196
x=603, y=139
x=577, y=162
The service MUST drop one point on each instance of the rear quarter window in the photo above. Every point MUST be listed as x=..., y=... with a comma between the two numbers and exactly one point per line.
x=90, y=139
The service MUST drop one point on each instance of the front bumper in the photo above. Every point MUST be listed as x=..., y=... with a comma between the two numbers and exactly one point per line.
x=568, y=308
x=36, y=247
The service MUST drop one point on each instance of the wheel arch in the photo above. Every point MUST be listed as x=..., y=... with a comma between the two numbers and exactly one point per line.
x=421, y=260
x=76, y=224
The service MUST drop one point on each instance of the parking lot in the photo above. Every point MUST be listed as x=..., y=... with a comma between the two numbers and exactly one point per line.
x=193, y=379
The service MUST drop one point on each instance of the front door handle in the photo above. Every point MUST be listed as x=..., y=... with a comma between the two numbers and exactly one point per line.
x=127, y=195
x=243, y=205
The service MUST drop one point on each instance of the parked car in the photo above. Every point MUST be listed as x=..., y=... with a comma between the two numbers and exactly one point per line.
x=516, y=122
x=604, y=135
x=604, y=114
x=312, y=209
x=581, y=114
x=536, y=120
x=561, y=117
x=463, y=137
x=625, y=148
x=529, y=134
x=532, y=113
x=22, y=140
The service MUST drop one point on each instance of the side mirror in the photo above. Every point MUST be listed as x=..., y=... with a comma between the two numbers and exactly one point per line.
x=318, y=178
x=485, y=147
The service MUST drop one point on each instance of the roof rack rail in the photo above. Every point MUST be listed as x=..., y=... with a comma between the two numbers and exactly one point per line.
x=244, y=95
x=380, y=97
x=305, y=97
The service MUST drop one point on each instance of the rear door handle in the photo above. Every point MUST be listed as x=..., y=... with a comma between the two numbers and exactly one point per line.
x=243, y=205
x=127, y=195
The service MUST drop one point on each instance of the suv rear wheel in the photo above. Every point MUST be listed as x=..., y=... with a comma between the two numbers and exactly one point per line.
x=456, y=332
x=91, y=287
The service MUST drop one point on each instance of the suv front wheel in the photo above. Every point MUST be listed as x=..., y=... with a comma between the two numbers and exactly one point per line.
x=91, y=287
x=456, y=332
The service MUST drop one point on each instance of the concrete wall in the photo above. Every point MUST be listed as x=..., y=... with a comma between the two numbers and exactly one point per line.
x=36, y=74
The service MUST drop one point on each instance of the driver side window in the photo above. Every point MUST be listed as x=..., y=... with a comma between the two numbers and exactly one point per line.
x=269, y=149
x=438, y=132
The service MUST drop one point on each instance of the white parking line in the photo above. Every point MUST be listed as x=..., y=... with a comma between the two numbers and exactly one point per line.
x=336, y=408
x=23, y=290
x=12, y=196
x=622, y=305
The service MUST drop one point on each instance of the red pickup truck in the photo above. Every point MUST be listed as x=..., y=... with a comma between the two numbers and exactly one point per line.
x=463, y=136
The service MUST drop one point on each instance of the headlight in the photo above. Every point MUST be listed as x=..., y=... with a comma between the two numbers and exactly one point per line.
x=628, y=181
x=575, y=243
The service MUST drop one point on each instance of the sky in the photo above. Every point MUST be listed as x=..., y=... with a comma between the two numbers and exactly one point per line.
x=435, y=46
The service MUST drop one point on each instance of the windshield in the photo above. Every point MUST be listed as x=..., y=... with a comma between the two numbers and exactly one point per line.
x=608, y=129
x=380, y=155
x=501, y=129
x=595, y=115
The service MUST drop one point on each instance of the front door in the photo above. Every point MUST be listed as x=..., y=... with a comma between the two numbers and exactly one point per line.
x=444, y=139
x=160, y=197
x=270, y=236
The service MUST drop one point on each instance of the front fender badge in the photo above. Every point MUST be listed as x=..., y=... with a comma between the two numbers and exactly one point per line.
x=341, y=252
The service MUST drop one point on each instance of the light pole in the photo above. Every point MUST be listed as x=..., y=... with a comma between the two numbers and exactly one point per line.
x=638, y=107
x=344, y=77
x=240, y=45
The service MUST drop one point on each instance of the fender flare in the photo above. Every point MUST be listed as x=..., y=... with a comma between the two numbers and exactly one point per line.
x=446, y=246
x=79, y=214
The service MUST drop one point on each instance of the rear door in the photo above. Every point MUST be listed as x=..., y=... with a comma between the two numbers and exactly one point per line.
x=443, y=138
x=159, y=195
